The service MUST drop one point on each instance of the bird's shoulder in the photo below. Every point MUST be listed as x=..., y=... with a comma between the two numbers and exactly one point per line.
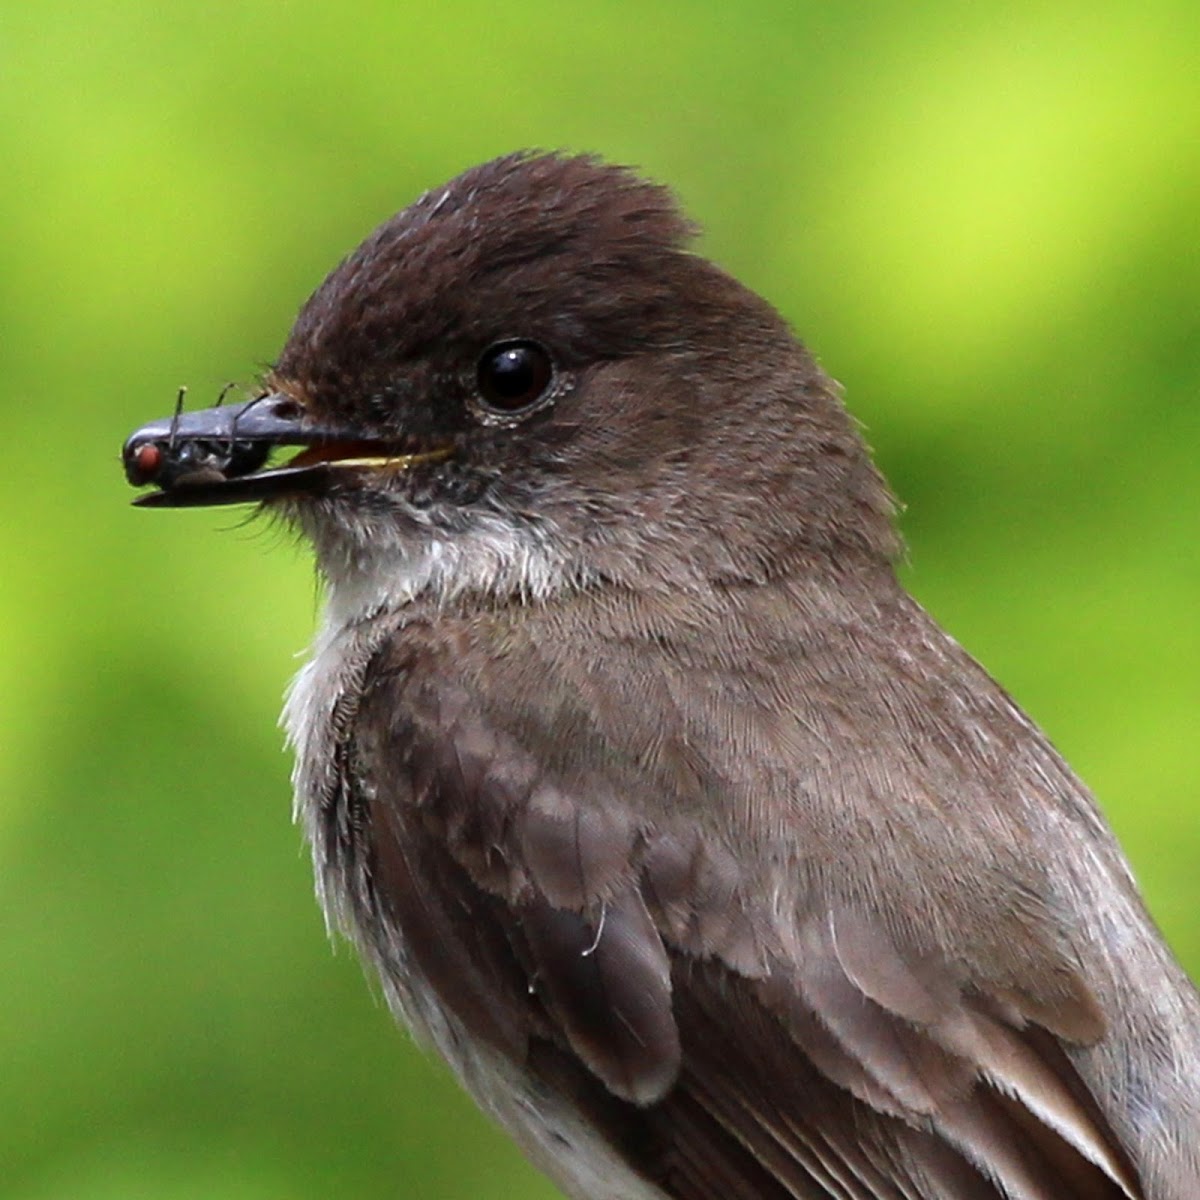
x=572, y=846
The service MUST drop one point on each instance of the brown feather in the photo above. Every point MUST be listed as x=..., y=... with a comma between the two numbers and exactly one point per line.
x=737, y=1045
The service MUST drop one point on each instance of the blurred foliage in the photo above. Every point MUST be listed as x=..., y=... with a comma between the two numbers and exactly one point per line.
x=986, y=222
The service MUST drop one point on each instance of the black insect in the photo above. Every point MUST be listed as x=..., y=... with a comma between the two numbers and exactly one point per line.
x=175, y=461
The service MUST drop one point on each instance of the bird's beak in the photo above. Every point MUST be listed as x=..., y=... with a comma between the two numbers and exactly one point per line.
x=219, y=455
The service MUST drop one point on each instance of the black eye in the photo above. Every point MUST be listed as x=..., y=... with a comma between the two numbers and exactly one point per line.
x=514, y=375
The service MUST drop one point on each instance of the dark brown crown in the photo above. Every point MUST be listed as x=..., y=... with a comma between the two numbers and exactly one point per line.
x=567, y=247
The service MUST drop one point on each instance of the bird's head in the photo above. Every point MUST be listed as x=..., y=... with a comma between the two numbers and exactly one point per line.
x=526, y=380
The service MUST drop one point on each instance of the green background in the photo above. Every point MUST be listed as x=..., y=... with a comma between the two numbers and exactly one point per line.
x=985, y=224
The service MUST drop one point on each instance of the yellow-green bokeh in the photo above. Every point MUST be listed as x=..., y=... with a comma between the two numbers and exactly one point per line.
x=987, y=225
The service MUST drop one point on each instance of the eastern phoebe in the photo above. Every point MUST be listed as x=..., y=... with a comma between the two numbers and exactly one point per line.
x=713, y=867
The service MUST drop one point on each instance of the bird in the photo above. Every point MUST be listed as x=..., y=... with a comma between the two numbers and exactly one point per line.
x=711, y=864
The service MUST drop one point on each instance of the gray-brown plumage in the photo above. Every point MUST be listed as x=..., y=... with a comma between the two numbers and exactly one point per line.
x=712, y=865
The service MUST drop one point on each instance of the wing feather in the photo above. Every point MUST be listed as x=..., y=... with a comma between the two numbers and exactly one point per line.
x=726, y=1047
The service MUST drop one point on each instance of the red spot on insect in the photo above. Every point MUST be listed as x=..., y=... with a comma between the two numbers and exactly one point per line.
x=147, y=460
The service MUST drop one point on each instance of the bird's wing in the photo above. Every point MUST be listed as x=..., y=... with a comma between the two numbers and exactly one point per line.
x=724, y=1048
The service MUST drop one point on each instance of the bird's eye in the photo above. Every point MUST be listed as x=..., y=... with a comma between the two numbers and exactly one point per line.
x=514, y=376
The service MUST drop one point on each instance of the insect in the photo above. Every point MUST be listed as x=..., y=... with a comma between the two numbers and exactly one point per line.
x=176, y=461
